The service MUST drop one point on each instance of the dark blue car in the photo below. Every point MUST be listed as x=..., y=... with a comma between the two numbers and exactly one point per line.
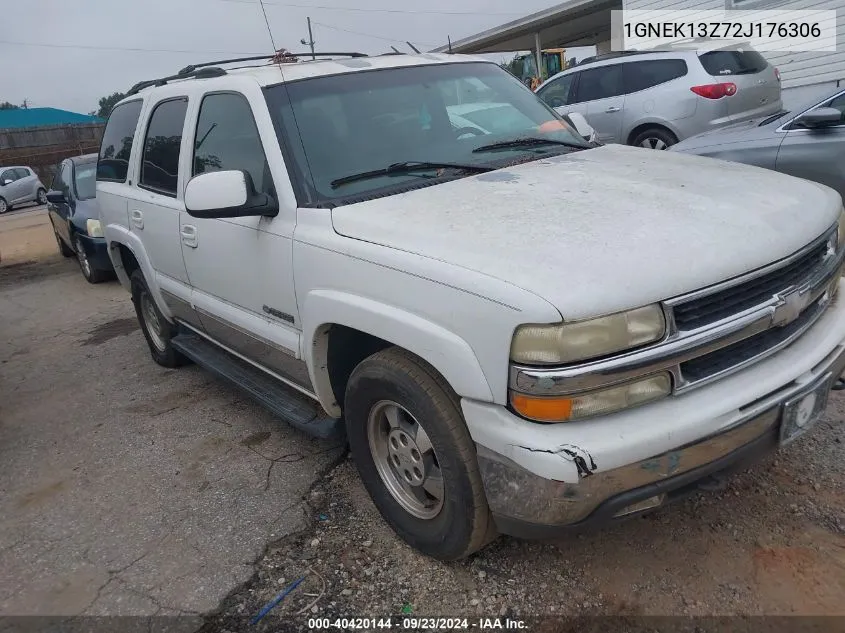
x=75, y=218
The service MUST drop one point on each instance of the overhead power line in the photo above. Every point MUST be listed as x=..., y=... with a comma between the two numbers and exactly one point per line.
x=373, y=10
x=124, y=48
x=376, y=37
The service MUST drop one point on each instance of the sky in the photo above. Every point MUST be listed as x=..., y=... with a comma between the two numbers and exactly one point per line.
x=77, y=52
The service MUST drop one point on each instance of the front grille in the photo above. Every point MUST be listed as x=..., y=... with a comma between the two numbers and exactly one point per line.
x=733, y=355
x=705, y=310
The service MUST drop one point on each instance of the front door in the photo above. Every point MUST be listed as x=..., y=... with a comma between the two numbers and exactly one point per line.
x=601, y=91
x=240, y=269
x=11, y=186
x=817, y=154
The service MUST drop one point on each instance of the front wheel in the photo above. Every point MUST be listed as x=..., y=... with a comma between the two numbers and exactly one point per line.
x=4, y=206
x=41, y=196
x=415, y=455
x=158, y=331
x=92, y=275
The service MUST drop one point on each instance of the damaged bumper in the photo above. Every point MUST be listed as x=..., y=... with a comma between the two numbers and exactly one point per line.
x=542, y=480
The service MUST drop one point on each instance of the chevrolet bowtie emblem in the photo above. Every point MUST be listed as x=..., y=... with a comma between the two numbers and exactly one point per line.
x=789, y=308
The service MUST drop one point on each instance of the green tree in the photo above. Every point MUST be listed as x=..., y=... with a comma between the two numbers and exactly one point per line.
x=107, y=103
x=515, y=66
x=8, y=106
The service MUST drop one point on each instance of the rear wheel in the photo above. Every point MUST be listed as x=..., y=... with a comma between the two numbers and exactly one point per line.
x=655, y=138
x=158, y=331
x=4, y=206
x=415, y=455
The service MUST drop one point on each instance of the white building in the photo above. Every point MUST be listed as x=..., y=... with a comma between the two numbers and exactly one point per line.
x=587, y=22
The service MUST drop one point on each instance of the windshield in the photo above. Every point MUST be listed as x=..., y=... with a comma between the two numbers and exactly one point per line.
x=342, y=125
x=86, y=180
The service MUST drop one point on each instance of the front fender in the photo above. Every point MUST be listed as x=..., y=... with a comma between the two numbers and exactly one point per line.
x=119, y=235
x=445, y=351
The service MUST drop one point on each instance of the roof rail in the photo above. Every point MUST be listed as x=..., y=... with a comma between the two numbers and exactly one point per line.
x=203, y=73
x=606, y=56
x=286, y=54
x=207, y=70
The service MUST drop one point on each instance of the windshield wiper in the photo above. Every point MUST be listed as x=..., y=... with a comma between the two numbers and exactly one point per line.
x=526, y=142
x=405, y=168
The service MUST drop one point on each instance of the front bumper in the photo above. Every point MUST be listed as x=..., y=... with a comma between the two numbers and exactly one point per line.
x=544, y=479
x=97, y=251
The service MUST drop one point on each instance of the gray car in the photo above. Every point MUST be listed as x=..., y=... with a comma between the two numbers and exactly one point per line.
x=654, y=99
x=808, y=142
x=19, y=185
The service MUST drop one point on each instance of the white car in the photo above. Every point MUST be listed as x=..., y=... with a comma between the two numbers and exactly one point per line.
x=517, y=332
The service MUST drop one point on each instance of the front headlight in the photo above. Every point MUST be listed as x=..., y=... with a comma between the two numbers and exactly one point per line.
x=94, y=228
x=600, y=402
x=582, y=340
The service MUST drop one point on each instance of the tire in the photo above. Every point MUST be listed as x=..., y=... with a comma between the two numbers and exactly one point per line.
x=41, y=196
x=92, y=275
x=655, y=138
x=4, y=206
x=158, y=331
x=64, y=249
x=396, y=384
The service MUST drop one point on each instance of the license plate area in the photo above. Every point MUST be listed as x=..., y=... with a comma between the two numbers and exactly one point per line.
x=803, y=410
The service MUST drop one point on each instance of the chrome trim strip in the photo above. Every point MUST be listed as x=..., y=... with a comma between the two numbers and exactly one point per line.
x=754, y=274
x=683, y=346
x=273, y=374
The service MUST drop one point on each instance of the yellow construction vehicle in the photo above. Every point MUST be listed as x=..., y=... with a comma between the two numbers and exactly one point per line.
x=554, y=61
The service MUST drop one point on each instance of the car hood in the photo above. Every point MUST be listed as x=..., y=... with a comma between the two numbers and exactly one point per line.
x=736, y=134
x=603, y=230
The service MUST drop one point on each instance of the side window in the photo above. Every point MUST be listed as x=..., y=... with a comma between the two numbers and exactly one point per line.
x=557, y=93
x=600, y=83
x=66, y=177
x=22, y=172
x=160, y=162
x=56, y=185
x=647, y=74
x=9, y=174
x=227, y=138
x=116, y=145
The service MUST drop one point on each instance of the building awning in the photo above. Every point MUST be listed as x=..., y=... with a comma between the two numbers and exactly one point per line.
x=573, y=23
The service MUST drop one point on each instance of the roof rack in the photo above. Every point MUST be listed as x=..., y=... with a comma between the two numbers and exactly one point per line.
x=206, y=70
x=605, y=56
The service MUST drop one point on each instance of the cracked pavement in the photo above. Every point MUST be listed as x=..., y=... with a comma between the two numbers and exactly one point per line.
x=128, y=488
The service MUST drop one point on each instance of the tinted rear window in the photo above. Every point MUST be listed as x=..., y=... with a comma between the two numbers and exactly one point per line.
x=721, y=63
x=646, y=74
x=117, y=142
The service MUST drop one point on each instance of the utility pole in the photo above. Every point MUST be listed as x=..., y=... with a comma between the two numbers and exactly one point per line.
x=25, y=105
x=310, y=41
x=449, y=37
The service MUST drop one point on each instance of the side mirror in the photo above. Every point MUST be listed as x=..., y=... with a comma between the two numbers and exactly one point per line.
x=584, y=129
x=227, y=194
x=56, y=197
x=820, y=117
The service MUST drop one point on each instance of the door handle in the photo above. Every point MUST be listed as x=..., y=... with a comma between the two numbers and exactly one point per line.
x=612, y=109
x=137, y=219
x=189, y=235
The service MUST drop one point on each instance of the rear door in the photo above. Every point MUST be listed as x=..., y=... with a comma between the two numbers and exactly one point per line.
x=758, y=90
x=817, y=154
x=600, y=97
x=28, y=183
x=63, y=210
x=11, y=187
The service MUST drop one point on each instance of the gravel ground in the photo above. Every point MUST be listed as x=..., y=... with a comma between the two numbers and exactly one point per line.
x=772, y=542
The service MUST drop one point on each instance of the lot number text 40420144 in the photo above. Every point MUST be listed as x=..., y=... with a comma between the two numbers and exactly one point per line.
x=416, y=624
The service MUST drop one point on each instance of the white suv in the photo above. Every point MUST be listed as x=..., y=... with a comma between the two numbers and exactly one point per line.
x=517, y=332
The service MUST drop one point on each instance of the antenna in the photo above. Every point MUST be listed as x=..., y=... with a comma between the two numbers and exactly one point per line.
x=267, y=22
x=395, y=50
x=415, y=49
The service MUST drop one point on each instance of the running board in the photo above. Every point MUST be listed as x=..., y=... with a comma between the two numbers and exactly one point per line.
x=294, y=408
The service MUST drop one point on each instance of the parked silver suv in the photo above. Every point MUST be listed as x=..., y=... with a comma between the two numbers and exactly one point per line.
x=19, y=185
x=655, y=99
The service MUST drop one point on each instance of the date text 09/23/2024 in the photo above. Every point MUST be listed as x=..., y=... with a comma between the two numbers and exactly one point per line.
x=405, y=623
